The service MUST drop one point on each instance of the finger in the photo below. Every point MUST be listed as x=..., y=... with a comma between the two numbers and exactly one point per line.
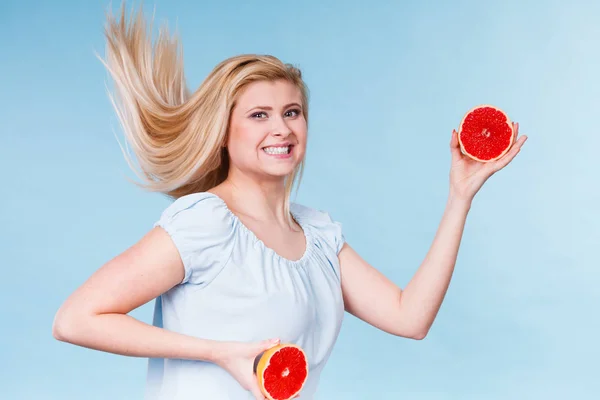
x=267, y=344
x=260, y=348
x=455, y=146
x=516, y=131
x=454, y=139
x=255, y=390
x=508, y=157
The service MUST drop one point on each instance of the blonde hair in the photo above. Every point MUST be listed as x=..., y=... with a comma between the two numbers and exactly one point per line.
x=178, y=137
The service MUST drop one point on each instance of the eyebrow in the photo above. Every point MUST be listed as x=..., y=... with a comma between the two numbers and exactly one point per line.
x=270, y=108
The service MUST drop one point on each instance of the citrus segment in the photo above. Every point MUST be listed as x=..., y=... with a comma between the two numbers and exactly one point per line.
x=485, y=133
x=282, y=371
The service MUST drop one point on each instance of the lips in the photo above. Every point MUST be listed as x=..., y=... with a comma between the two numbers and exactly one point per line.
x=282, y=144
x=278, y=150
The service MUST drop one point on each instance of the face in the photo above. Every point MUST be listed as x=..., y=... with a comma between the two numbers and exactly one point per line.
x=267, y=131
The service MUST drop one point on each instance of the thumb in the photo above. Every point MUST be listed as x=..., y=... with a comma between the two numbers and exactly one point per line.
x=267, y=344
x=255, y=390
x=257, y=393
x=455, y=146
x=260, y=348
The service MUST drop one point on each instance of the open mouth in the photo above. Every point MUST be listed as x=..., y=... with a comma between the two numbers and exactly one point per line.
x=278, y=150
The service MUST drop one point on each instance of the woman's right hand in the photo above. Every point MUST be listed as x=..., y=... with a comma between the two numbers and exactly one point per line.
x=238, y=358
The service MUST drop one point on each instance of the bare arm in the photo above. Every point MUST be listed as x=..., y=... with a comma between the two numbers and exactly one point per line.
x=95, y=315
x=372, y=297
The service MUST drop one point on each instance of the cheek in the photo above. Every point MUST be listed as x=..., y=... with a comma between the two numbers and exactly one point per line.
x=300, y=130
x=243, y=142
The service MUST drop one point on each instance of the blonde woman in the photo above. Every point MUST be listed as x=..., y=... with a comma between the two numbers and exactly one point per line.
x=233, y=265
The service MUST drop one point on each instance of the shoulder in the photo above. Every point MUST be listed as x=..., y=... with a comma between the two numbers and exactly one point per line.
x=310, y=214
x=321, y=223
x=202, y=202
x=203, y=231
x=201, y=210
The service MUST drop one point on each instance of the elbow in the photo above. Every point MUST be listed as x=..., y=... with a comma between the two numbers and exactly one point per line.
x=420, y=332
x=60, y=330
x=418, y=335
x=64, y=326
x=410, y=333
x=413, y=332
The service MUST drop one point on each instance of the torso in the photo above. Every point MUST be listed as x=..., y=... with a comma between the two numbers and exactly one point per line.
x=272, y=284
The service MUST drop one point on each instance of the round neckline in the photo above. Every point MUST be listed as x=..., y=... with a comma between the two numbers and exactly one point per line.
x=305, y=232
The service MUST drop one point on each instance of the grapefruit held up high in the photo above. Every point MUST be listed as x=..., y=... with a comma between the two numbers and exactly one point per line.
x=485, y=133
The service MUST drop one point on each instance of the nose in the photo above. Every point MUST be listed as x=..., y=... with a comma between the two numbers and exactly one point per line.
x=280, y=128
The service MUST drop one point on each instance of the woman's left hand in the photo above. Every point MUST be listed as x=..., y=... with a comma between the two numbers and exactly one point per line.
x=467, y=176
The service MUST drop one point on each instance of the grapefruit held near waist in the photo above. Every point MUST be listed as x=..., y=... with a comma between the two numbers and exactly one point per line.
x=282, y=371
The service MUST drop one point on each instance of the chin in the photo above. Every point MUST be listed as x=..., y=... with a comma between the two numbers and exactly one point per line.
x=278, y=172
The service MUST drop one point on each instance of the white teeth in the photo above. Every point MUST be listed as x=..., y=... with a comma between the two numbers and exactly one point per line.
x=277, y=150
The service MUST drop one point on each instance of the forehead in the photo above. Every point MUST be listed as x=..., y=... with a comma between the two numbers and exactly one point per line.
x=273, y=93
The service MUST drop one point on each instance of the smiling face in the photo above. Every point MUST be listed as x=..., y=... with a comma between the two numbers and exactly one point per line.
x=268, y=130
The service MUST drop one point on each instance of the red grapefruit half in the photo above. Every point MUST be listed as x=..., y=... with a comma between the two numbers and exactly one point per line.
x=282, y=371
x=485, y=133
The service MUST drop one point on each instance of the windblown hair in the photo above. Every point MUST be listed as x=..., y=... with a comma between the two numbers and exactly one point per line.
x=178, y=137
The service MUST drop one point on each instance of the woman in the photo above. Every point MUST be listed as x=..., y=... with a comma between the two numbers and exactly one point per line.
x=234, y=266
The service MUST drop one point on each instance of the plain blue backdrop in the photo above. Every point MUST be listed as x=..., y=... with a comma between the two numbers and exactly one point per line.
x=389, y=81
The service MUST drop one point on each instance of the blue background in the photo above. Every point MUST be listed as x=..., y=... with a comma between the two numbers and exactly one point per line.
x=389, y=82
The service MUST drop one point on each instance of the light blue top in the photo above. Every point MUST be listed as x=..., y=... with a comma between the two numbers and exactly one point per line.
x=237, y=289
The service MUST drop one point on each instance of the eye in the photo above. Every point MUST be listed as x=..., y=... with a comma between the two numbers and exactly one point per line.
x=257, y=114
x=295, y=112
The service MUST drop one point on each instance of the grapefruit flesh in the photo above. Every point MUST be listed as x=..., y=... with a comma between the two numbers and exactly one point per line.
x=485, y=133
x=282, y=371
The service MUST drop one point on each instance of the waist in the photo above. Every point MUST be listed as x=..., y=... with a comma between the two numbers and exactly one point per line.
x=186, y=380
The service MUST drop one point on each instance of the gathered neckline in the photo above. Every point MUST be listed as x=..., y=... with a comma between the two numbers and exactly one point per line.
x=305, y=231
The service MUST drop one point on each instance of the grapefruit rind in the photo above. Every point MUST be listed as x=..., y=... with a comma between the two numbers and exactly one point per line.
x=508, y=122
x=264, y=363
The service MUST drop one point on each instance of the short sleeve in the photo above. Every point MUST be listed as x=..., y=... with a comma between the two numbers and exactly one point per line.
x=201, y=228
x=327, y=229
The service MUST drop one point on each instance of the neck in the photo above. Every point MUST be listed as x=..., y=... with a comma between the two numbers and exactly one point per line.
x=258, y=199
